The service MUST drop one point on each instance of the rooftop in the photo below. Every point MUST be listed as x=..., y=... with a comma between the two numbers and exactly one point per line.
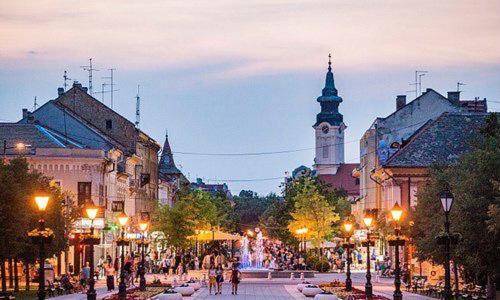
x=441, y=141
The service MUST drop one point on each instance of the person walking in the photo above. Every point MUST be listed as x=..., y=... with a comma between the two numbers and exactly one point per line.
x=219, y=278
x=110, y=276
x=235, y=279
x=212, y=273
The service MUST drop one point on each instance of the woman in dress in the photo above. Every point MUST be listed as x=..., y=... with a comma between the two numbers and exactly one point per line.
x=212, y=273
x=235, y=279
x=219, y=278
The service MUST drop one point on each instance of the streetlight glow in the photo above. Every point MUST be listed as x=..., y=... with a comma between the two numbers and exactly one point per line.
x=41, y=202
x=92, y=211
x=368, y=220
x=143, y=226
x=348, y=226
x=396, y=212
x=122, y=219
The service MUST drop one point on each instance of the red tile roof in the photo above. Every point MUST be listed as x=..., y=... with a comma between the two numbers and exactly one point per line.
x=343, y=179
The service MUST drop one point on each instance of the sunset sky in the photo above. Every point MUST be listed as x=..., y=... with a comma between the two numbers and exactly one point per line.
x=243, y=76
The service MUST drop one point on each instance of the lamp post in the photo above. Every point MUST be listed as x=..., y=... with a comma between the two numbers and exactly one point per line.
x=447, y=202
x=91, y=211
x=122, y=287
x=143, y=226
x=196, y=233
x=396, y=213
x=41, y=202
x=368, y=220
x=18, y=146
x=348, y=226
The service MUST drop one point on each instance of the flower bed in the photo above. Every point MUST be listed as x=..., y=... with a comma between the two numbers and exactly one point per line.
x=338, y=288
x=136, y=294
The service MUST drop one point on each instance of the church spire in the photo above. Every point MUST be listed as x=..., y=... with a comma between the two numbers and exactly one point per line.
x=329, y=89
x=167, y=167
x=329, y=100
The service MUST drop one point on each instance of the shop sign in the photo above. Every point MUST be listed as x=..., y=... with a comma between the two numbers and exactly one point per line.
x=85, y=223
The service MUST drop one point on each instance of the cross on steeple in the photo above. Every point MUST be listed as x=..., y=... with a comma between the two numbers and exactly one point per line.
x=329, y=62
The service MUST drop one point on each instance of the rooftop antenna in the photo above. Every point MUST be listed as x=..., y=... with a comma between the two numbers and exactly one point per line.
x=103, y=91
x=111, y=84
x=418, y=82
x=35, y=105
x=89, y=68
x=137, y=108
x=66, y=78
x=458, y=86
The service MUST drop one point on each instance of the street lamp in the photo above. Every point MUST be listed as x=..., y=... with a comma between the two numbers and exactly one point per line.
x=17, y=146
x=91, y=211
x=41, y=235
x=396, y=213
x=447, y=202
x=143, y=226
x=122, y=287
x=368, y=220
x=348, y=226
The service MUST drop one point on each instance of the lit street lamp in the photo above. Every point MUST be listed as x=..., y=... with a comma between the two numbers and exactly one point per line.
x=18, y=147
x=122, y=287
x=447, y=202
x=143, y=226
x=41, y=235
x=348, y=227
x=368, y=220
x=396, y=213
x=91, y=211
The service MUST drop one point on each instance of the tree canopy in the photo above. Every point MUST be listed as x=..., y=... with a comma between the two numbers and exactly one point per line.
x=19, y=214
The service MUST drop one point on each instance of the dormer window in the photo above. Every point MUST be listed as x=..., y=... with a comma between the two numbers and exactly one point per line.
x=109, y=124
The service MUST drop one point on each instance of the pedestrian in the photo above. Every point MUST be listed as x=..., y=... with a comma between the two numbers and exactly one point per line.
x=211, y=278
x=85, y=275
x=110, y=276
x=235, y=279
x=219, y=278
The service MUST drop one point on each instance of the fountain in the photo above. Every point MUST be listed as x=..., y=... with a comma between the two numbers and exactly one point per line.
x=246, y=258
x=252, y=258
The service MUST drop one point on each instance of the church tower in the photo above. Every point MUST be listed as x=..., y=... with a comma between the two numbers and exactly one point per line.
x=329, y=129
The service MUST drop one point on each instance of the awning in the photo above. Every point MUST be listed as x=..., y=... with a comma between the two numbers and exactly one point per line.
x=216, y=235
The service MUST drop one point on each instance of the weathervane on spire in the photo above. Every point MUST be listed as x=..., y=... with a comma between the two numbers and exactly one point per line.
x=329, y=62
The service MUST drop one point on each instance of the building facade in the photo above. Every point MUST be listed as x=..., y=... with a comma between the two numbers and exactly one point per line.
x=387, y=135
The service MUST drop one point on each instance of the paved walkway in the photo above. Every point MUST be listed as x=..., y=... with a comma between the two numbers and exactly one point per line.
x=259, y=290
x=263, y=288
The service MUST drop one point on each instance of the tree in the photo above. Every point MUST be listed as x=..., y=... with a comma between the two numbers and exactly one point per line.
x=312, y=210
x=18, y=187
x=249, y=207
x=474, y=182
x=275, y=220
x=176, y=223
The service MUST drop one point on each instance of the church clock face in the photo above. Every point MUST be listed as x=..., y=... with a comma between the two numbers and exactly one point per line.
x=325, y=129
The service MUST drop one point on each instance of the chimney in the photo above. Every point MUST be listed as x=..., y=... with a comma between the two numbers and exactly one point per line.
x=25, y=113
x=77, y=84
x=60, y=91
x=454, y=97
x=400, y=101
x=85, y=89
